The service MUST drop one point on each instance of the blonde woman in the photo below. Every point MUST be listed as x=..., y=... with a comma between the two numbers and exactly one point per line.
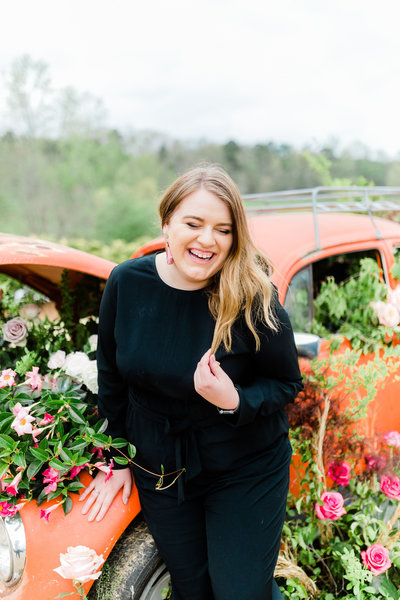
x=196, y=363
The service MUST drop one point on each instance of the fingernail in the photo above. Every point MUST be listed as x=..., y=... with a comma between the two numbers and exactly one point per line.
x=125, y=500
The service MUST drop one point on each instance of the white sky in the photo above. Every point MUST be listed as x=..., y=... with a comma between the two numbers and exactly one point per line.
x=291, y=71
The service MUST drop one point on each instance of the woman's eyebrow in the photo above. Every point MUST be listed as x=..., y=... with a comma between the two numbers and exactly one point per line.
x=201, y=219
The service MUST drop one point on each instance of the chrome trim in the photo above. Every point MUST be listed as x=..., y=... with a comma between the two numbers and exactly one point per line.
x=15, y=532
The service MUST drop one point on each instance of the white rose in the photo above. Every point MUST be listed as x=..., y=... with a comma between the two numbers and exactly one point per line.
x=388, y=315
x=29, y=311
x=76, y=364
x=90, y=377
x=57, y=360
x=80, y=563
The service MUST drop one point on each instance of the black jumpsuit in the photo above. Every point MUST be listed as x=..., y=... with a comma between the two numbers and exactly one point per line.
x=218, y=526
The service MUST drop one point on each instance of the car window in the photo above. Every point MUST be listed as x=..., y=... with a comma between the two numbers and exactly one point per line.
x=306, y=283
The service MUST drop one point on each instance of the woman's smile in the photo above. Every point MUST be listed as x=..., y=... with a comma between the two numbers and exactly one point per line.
x=199, y=235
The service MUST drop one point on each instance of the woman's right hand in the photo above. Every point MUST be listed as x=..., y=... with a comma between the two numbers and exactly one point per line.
x=100, y=493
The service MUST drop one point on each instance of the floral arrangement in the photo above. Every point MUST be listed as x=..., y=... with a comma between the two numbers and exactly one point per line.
x=49, y=426
x=342, y=533
x=362, y=309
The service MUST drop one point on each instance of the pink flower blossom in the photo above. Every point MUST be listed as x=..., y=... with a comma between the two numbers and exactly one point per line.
x=16, y=408
x=35, y=432
x=3, y=485
x=7, y=378
x=34, y=379
x=46, y=512
x=390, y=486
x=340, y=473
x=12, y=488
x=7, y=509
x=107, y=469
x=332, y=507
x=50, y=476
x=75, y=470
x=23, y=420
x=46, y=419
x=392, y=438
x=375, y=462
x=376, y=559
x=98, y=451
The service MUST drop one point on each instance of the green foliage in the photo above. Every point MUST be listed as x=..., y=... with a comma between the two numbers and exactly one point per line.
x=345, y=309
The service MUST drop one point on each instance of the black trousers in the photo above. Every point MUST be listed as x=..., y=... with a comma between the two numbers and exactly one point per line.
x=222, y=542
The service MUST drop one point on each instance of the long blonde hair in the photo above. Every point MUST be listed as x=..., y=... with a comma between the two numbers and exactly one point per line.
x=242, y=286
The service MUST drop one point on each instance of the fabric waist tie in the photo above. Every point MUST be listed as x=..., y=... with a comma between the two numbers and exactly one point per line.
x=186, y=443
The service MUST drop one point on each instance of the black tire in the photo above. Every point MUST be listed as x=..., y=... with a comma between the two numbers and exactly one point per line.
x=134, y=570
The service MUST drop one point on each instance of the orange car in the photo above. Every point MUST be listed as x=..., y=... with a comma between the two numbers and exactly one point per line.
x=306, y=238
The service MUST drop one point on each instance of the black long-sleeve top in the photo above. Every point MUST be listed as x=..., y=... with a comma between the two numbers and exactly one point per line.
x=151, y=337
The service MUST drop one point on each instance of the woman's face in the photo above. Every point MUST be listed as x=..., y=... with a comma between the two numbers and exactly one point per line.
x=200, y=238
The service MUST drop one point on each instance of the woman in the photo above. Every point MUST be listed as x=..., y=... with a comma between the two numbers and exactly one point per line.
x=196, y=362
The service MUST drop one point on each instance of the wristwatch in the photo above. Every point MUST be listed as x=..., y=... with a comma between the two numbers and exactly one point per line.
x=230, y=411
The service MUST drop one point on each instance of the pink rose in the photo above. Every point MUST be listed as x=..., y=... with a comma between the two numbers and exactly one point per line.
x=376, y=559
x=80, y=563
x=390, y=486
x=340, y=473
x=375, y=462
x=15, y=330
x=392, y=438
x=332, y=507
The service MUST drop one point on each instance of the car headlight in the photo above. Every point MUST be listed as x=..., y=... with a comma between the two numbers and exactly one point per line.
x=12, y=550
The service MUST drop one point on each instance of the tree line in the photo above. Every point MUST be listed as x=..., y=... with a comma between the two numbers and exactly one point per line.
x=64, y=174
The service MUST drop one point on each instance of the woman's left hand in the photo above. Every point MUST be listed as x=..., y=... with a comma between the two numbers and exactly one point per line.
x=211, y=382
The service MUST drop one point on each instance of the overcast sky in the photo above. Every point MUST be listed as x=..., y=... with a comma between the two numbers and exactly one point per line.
x=290, y=71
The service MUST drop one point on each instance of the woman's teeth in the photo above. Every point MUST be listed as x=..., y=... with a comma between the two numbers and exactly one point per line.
x=201, y=255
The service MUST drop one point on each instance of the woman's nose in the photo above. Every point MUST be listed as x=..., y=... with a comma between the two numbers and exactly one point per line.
x=206, y=236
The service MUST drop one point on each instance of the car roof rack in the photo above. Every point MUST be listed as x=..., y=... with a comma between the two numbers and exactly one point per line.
x=353, y=199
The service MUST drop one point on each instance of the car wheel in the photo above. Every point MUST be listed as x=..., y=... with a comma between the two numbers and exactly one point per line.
x=134, y=570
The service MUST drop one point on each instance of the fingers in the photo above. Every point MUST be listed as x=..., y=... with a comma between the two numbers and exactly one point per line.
x=87, y=491
x=127, y=490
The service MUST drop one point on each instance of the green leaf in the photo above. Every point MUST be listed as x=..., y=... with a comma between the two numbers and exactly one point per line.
x=119, y=443
x=101, y=426
x=39, y=453
x=74, y=486
x=131, y=450
x=67, y=505
x=6, y=442
x=76, y=416
x=19, y=459
x=34, y=468
x=3, y=468
x=121, y=460
x=55, y=463
x=5, y=421
x=100, y=439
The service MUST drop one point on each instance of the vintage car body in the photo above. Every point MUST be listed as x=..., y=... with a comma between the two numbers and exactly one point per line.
x=290, y=240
